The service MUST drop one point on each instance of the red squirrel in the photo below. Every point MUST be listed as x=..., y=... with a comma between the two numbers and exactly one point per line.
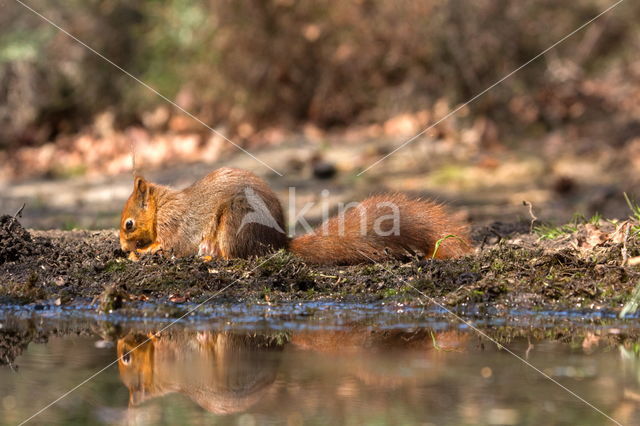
x=232, y=213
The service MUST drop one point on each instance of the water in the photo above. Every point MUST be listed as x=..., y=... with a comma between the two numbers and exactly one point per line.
x=317, y=364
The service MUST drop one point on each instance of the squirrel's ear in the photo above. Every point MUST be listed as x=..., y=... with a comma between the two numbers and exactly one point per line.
x=140, y=185
x=141, y=189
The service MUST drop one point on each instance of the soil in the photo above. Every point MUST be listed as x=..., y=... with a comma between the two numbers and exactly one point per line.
x=578, y=267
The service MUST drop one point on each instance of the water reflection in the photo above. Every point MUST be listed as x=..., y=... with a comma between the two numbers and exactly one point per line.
x=385, y=358
x=223, y=373
x=356, y=375
x=228, y=373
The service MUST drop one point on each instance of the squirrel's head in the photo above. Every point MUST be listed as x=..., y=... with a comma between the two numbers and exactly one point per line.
x=138, y=219
x=136, y=363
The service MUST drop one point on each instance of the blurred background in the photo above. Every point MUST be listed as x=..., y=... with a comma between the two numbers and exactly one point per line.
x=320, y=90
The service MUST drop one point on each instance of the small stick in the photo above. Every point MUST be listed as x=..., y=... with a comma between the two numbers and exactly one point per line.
x=526, y=354
x=133, y=158
x=533, y=216
x=625, y=253
x=484, y=240
x=19, y=212
x=9, y=364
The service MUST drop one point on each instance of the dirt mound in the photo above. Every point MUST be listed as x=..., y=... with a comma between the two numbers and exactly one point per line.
x=587, y=265
x=15, y=241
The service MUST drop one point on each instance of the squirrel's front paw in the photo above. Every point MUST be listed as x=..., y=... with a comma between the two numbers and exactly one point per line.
x=207, y=251
x=154, y=248
x=134, y=256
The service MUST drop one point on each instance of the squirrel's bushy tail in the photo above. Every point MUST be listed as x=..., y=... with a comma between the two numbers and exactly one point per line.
x=385, y=227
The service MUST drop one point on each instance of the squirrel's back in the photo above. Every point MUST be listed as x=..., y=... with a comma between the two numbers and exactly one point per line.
x=229, y=213
x=385, y=227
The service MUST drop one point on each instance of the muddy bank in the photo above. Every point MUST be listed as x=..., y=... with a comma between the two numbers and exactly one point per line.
x=579, y=266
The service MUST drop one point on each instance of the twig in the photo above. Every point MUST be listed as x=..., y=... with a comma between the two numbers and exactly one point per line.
x=133, y=159
x=9, y=364
x=19, y=212
x=624, y=252
x=533, y=216
x=484, y=241
x=526, y=354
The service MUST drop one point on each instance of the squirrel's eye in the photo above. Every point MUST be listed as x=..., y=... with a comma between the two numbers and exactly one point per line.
x=128, y=225
x=126, y=358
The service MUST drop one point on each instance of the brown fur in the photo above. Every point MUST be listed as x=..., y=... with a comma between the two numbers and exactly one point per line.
x=224, y=373
x=421, y=225
x=209, y=211
x=205, y=218
x=229, y=373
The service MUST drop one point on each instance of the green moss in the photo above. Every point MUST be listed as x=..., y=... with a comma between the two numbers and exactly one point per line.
x=548, y=232
x=370, y=269
x=498, y=265
x=115, y=266
x=275, y=263
x=389, y=292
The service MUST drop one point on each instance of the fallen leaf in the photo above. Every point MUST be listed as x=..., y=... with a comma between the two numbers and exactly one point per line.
x=621, y=233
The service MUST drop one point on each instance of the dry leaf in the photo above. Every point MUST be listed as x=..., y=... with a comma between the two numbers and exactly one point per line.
x=621, y=233
x=591, y=237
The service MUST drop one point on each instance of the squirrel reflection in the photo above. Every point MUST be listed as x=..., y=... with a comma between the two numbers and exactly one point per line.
x=228, y=373
x=379, y=357
x=223, y=373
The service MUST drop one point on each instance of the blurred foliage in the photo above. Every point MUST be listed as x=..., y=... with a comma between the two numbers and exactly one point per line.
x=286, y=62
